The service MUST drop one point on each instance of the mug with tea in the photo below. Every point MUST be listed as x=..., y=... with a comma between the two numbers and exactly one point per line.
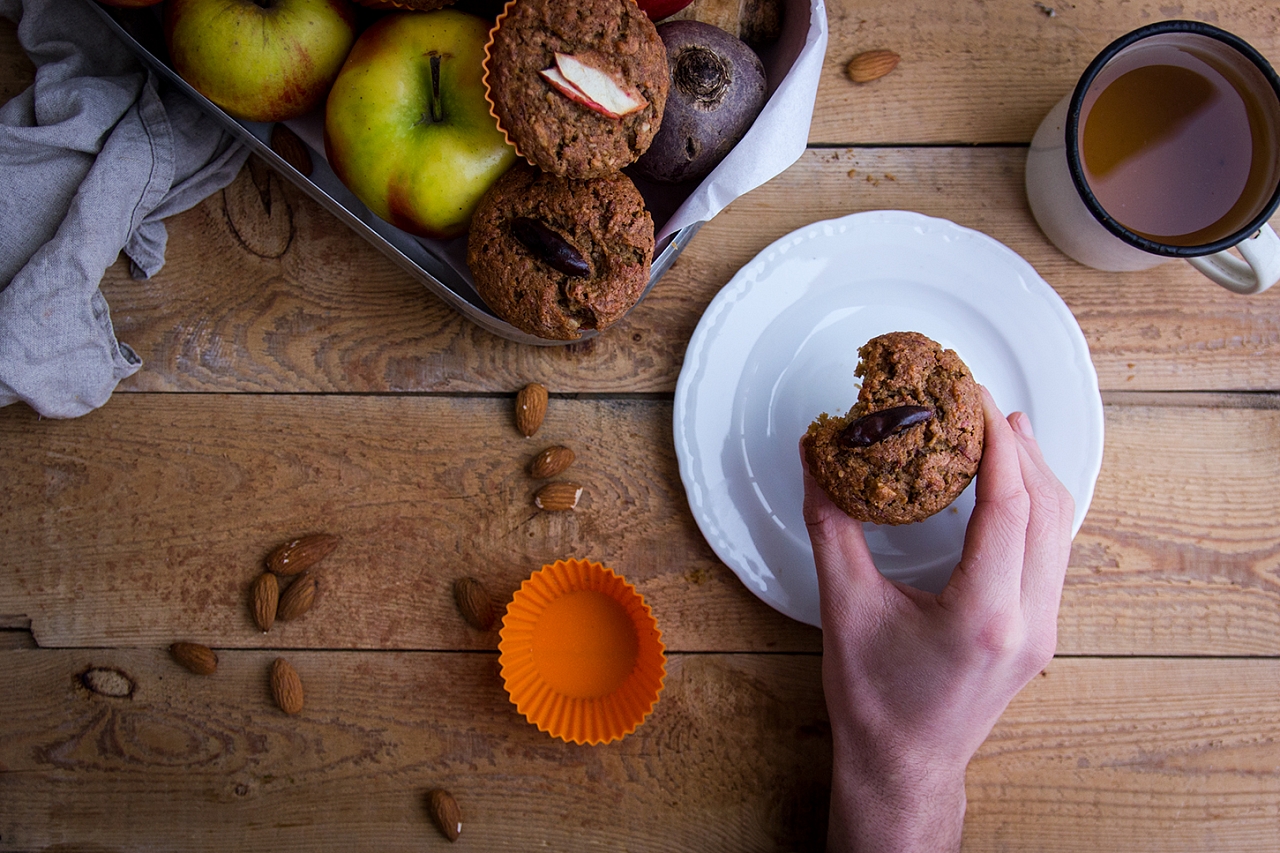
x=1169, y=147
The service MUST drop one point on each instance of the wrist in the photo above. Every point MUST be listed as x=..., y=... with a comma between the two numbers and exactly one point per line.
x=902, y=808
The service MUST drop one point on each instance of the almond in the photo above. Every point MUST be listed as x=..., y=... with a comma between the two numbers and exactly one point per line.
x=108, y=681
x=298, y=555
x=445, y=813
x=872, y=65
x=201, y=660
x=291, y=148
x=550, y=462
x=531, y=408
x=286, y=686
x=558, y=497
x=474, y=603
x=298, y=597
x=264, y=597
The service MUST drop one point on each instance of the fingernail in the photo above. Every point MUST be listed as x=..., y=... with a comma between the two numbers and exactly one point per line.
x=1022, y=424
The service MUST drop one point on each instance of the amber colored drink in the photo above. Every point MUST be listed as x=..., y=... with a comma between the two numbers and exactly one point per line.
x=1174, y=142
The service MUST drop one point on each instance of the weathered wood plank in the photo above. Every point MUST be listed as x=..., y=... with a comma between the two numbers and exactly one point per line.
x=320, y=310
x=1136, y=755
x=736, y=756
x=973, y=71
x=153, y=516
x=1184, y=524
x=147, y=521
x=1142, y=755
x=15, y=633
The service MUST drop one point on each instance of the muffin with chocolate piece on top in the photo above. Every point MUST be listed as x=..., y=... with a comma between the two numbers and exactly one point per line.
x=912, y=441
x=578, y=88
x=557, y=256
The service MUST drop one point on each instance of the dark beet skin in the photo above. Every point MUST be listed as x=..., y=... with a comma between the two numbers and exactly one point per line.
x=717, y=89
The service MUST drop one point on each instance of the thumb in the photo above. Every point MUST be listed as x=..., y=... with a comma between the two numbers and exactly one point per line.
x=846, y=570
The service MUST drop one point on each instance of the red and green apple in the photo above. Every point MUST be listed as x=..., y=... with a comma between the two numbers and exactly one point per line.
x=260, y=60
x=407, y=126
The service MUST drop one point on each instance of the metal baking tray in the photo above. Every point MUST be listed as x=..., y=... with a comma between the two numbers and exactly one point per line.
x=439, y=265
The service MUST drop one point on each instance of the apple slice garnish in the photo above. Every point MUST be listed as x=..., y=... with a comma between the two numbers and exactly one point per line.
x=570, y=91
x=593, y=88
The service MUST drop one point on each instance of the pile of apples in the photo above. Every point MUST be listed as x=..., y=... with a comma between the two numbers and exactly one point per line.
x=407, y=125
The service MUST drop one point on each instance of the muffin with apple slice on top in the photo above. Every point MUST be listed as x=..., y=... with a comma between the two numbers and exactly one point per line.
x=578, y=88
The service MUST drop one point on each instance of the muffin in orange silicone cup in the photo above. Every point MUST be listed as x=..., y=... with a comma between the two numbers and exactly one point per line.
x=581, y=654
x=612, y=40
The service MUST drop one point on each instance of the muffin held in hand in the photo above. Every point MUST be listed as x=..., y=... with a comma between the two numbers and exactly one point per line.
x=557, y=256
x=911, y=443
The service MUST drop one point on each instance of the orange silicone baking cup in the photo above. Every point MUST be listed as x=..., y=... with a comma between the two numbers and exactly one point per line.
x=581, y=654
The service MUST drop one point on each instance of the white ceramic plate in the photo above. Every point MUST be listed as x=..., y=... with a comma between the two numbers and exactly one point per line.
x=779, y=343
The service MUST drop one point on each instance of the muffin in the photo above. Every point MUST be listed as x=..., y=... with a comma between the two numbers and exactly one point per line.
x=613, y=45
x=557, y=256
x=912, y=441
x=406, y=5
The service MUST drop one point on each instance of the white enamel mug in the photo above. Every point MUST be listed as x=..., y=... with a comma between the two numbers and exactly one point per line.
x=1070, y=214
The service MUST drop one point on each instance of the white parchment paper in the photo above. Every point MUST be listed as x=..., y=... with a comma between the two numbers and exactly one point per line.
x=779, y=135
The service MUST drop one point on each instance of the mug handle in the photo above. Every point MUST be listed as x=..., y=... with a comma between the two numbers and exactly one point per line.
x=1259, y=270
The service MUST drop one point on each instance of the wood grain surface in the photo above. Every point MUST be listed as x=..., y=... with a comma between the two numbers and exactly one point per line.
x=1118, y=754
x=153, y=520
x=296, y=381
x=986, y=72
x=736, y=756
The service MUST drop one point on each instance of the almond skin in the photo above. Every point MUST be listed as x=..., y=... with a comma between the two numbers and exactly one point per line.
x=298, y=597
x=552, y=461
x=558, y=497
x=286, y=686
x=298, y=555
x=872, y=65
x=107, y=681
x=445, y=813
x=201, y=660
x=531, y=408
x=474, y=603
x=264, y=598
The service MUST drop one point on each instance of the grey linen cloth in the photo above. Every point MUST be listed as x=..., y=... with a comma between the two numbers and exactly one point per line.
x=93, y=156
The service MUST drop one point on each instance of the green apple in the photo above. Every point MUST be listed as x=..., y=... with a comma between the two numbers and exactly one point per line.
x=407, y=126
x=260, y=60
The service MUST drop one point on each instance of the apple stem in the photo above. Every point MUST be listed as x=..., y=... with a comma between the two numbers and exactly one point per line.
x=437, y=108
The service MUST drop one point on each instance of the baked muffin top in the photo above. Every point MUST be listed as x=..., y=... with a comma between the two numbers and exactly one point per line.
x=552, y=130
x=912, y=441
x=558, y=256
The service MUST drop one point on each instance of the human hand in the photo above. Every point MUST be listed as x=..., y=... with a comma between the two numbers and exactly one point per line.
x=914, y=681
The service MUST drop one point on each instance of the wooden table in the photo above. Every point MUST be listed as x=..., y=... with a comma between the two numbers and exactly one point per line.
x=296, y=381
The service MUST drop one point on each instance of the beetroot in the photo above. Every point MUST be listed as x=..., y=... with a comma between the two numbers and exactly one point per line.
x=717, y=90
